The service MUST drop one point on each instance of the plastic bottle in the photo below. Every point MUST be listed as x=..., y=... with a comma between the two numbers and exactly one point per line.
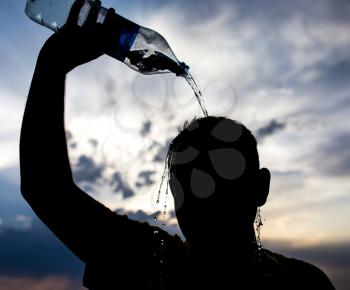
x=142, y=49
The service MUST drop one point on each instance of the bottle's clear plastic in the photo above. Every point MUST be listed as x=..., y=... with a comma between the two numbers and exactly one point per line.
x=142, y=49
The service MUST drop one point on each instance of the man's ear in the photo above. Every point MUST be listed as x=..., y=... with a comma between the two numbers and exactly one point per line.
x=263, y=189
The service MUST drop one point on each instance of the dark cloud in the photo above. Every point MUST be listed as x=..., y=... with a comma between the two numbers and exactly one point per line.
x=121, y=186
x=40, y=283
x=146, y=128
x=88, y=188
x=336, y=73
x=110, y=85
x=172, y=214
x=93, y=142
x=332, y=255
x=12, y=203
x=36, y=252
x=109, y=97
x=145, y=178
x=271, y=128
x=276, y=10
x=73, y=145
x=70, y=140
x=333, y=259
x=333, y=156
x=288, y=173
x=161, y=150
x=86, y=170
x=69, y=135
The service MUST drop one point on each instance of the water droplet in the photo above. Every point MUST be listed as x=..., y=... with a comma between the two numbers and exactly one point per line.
x=258, y=224
x=165, y=173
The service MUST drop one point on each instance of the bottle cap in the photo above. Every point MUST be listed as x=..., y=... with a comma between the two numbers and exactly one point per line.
x=184, y=69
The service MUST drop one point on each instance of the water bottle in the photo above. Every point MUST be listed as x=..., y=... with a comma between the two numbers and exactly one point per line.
x=141, y=48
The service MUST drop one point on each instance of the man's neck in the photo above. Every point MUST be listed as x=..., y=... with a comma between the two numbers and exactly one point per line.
x=239, y=244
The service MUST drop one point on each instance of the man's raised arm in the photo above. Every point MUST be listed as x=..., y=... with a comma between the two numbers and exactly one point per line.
x=46, y=178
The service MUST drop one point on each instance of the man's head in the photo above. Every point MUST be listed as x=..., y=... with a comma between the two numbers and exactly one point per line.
x=215, y=176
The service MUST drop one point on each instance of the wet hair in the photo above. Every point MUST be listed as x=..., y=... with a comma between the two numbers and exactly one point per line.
x=199, y=133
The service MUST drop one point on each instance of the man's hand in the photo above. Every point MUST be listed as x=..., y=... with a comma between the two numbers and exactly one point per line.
x=73, y=45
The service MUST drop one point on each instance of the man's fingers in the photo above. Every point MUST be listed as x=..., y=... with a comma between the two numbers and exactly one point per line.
x=92, y=17
x=74, y=13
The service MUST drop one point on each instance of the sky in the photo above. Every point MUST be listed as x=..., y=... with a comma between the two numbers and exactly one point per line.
x=282, y=68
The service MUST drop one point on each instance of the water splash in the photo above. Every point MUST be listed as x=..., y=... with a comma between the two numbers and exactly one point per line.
x=198, y=93
x=259, y=224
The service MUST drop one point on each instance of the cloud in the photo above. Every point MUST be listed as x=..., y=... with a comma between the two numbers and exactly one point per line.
x=93, y=142
x=335, y=73
x=331, y=254
x=30, y=252
x=146, y=128
x=121, y=186
x=23, y=222
x=271, y=128
x=333, y=157
x=86, y=170
x=45, y=283
x=146, y=178
x=332, y=258
x=69, y=135
x=172, y=214
x=90, y=175
x=12, y=204
x=162, y=150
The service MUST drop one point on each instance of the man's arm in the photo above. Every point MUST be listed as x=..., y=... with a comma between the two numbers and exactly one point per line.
x=46, y=178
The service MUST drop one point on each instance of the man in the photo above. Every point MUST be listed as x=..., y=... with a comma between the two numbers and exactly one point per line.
x=215, y=178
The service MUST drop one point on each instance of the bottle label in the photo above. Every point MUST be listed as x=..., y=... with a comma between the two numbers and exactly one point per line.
x=122, y=34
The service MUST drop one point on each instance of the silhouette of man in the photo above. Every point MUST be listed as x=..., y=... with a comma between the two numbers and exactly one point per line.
x=215, y=178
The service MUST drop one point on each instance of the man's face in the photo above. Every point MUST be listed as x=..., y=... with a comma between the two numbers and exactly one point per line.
x=213, y=192
x=213, y=175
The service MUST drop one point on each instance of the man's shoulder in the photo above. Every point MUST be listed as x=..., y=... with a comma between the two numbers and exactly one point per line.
x=130, y=244
x=306, y=275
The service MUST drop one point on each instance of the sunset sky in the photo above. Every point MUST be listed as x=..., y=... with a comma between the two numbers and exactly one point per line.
x=282, y=68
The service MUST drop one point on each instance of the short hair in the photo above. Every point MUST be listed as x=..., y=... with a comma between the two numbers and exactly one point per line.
x=198, y=131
